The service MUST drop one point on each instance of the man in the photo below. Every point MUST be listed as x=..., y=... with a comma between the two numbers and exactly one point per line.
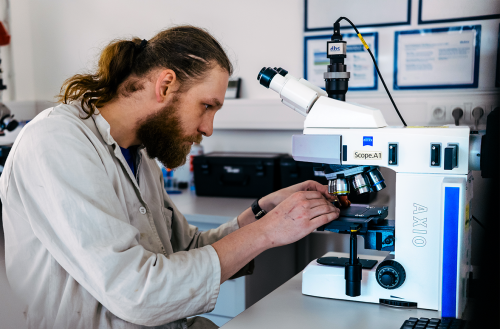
x=92, y=239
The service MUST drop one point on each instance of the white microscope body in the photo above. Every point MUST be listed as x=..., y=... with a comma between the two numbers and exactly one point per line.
x=433, y=194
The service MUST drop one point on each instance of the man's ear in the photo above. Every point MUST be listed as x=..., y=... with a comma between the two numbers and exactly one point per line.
x=166, y=79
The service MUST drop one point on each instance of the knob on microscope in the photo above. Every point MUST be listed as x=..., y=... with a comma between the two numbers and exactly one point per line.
x=390, y=274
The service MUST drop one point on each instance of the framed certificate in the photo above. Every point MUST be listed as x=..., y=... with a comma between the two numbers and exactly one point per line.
x=437, y=58
x=319, y=15
x=445, y=11
x=358, y=60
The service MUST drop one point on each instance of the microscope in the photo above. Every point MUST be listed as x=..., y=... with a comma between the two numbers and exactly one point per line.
x=424, y=251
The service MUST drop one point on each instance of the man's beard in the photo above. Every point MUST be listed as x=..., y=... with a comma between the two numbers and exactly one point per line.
x=162, y=135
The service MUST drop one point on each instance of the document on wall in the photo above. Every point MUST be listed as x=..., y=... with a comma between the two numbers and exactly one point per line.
x=437, y=58
x=358, y=60
x=320, y=14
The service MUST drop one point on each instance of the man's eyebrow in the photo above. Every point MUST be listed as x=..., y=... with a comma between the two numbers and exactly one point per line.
x=216, y=102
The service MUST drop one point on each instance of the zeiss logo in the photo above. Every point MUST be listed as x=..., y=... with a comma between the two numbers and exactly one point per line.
x=368, y=140
x=334, y=48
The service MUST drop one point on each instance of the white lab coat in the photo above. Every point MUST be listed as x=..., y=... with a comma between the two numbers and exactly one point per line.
x=90, y=246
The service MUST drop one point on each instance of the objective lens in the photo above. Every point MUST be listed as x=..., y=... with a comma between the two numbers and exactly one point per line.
x=376, y=180
x=338, y=186
x=361, y=184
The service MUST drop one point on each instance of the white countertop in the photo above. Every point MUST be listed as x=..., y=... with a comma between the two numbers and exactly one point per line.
x=215, y=210
x=286, y=307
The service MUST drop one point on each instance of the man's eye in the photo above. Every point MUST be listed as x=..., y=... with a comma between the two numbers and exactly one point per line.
x=207, y=106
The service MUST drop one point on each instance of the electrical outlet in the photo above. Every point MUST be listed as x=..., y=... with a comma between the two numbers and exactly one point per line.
x=482, y=121
x=462, y=120
x=437, y=114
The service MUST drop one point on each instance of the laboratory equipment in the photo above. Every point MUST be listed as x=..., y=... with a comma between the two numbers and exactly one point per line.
x=7, y=121
x=196, y=149
x=294, y=172
x=237, y=174
x=424, y=258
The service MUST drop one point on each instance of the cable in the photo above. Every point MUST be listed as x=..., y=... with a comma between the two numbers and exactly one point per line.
x=375, y=63
x=474, y=218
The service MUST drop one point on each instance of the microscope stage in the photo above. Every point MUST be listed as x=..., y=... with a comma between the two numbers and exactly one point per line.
x=356, y=214
x=341, y=261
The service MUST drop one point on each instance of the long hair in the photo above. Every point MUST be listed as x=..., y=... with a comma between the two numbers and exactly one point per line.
x=187, y=50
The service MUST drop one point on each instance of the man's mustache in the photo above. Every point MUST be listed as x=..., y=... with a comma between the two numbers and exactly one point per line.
x=195, y=139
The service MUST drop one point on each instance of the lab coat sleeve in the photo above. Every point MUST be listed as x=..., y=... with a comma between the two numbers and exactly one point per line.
x=73, y=209
x=186, y=236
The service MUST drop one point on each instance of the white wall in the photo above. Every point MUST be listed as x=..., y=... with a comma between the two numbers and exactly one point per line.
x=54, y=39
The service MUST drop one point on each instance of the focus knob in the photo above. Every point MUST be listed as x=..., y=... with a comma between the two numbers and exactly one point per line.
x=390, y=274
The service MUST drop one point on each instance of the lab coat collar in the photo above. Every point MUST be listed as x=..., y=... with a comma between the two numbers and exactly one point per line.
x=104, y=129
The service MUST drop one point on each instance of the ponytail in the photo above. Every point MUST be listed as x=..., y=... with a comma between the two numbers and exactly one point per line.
x=189, y=51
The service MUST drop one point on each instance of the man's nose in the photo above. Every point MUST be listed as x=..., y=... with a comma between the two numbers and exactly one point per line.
x=207, y=126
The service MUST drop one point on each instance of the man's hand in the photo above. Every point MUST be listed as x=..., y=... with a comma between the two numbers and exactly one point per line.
x=297, y=216
x=270, y=201
x=294, y=218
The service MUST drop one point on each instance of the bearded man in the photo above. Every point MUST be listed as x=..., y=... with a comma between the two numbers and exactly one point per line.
x=92, y=238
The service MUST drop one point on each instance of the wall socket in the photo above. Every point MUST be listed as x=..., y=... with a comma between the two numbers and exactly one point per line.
x=463, y=119
x=486, y=110
x=442, y=114
x=437, y=114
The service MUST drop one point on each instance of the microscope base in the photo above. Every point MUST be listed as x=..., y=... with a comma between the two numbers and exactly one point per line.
x=329, y=281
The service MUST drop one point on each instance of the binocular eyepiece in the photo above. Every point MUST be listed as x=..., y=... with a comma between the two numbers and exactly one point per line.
x=266, y=75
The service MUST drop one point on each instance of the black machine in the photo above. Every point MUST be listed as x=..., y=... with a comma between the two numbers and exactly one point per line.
x=250, y=175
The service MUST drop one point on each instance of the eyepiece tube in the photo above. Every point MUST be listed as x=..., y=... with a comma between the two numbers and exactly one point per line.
x=266, y=75
x=303, y=81
x=281, y=71
x=293, y=94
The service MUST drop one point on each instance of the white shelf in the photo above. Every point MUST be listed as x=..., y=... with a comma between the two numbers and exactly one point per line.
x=257, y=114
